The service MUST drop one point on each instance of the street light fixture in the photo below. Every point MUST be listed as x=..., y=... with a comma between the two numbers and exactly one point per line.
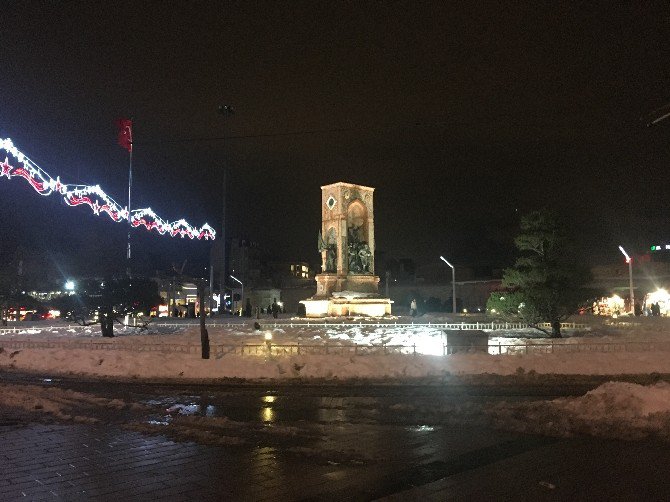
x=241, y=284
x=629, y=260
x=453, y=283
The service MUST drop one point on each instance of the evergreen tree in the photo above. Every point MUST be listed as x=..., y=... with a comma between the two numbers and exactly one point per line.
x=547, y=282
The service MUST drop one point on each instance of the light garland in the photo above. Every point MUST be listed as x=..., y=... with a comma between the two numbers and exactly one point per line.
x=94, y=197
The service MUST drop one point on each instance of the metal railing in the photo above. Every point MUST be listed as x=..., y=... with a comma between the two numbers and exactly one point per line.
x=271, y=349
x=22, y=327
x=493, y=326
x=552, y=348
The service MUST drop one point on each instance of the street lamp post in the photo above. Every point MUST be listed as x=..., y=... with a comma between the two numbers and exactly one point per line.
x=453, y=283
x=241, y=284
x=629, y=260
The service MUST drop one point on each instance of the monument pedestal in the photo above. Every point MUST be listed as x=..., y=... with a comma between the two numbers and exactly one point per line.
x=327, y=284
x=347, y=295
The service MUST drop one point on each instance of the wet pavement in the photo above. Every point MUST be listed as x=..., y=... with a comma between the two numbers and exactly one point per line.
x=311, y=443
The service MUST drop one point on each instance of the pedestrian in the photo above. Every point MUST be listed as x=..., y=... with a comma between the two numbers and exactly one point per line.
x=247, y=308
x=275, y=308
x=655, y=309
x=412, y=307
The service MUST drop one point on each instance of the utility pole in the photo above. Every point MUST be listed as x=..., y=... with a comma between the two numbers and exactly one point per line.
x=226, y=111
x=222, y=266
x=211, y=289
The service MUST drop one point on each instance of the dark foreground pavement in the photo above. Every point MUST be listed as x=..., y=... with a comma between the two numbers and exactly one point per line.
x=78, y=462
x=303, y=445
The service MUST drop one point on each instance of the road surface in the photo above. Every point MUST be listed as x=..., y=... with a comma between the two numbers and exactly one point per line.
x=310, y=442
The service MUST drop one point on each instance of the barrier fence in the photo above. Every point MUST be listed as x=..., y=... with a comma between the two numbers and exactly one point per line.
x=313, y=324
x=271, y=349
x=492, y=326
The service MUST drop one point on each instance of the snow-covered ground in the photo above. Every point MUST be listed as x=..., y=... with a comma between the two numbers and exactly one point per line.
x=615, y=409
x=77, y=350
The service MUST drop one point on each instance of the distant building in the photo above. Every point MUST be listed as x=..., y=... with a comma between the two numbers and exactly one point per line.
x=398, y=269
x=291, y=274
x=247, y=261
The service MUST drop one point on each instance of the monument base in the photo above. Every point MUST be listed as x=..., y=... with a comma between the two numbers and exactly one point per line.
x=346, y=304
x=327, y=284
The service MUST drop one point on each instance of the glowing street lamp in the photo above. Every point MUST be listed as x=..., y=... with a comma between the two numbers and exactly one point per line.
x=241, y=284
x=69, y=286
x=629, y=260
x=453, y=283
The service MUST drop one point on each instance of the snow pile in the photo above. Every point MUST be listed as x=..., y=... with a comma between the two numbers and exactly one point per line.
x=31, y=400
x=620, y=400
x=614, y=409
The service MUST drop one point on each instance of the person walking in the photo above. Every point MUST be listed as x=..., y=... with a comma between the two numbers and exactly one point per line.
x=275, y=308
x=412, y=307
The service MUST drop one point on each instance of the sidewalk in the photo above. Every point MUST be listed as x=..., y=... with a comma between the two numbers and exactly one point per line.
x=359, y=462
x=351, y=462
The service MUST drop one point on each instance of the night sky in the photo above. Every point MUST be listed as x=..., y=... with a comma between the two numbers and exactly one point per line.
x=463, y=116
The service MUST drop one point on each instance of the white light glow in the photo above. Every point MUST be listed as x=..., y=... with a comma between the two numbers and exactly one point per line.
x=625, y=254
x=445, y=261
x=658, y=296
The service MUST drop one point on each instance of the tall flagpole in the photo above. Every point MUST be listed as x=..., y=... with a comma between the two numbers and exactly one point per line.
x=130, y=186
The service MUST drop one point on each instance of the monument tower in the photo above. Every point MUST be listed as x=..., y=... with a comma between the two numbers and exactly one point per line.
x=347, y=284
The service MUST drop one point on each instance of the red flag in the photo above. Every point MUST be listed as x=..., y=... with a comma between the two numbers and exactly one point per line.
x=125, y=133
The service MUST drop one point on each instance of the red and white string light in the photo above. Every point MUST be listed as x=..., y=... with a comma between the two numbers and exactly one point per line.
x=93, y=196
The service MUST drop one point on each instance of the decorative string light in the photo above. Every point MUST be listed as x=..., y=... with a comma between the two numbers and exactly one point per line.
x=94, y=197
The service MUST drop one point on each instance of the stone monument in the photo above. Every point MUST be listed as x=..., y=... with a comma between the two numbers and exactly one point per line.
x=347, y=284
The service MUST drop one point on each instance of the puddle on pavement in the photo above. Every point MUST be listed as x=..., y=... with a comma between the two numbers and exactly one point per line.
x=272, y=408
x=268, y=409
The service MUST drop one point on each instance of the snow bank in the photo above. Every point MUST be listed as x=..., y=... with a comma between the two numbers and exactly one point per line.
x=621, y=400
x=68, y=355
x=59, y=403
x=615, y=409
x=159, y=365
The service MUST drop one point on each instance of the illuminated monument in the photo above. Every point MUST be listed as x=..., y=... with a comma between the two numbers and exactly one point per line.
x=347, y=284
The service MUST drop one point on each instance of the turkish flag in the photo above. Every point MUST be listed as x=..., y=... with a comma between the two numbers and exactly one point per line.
x=125, y=133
